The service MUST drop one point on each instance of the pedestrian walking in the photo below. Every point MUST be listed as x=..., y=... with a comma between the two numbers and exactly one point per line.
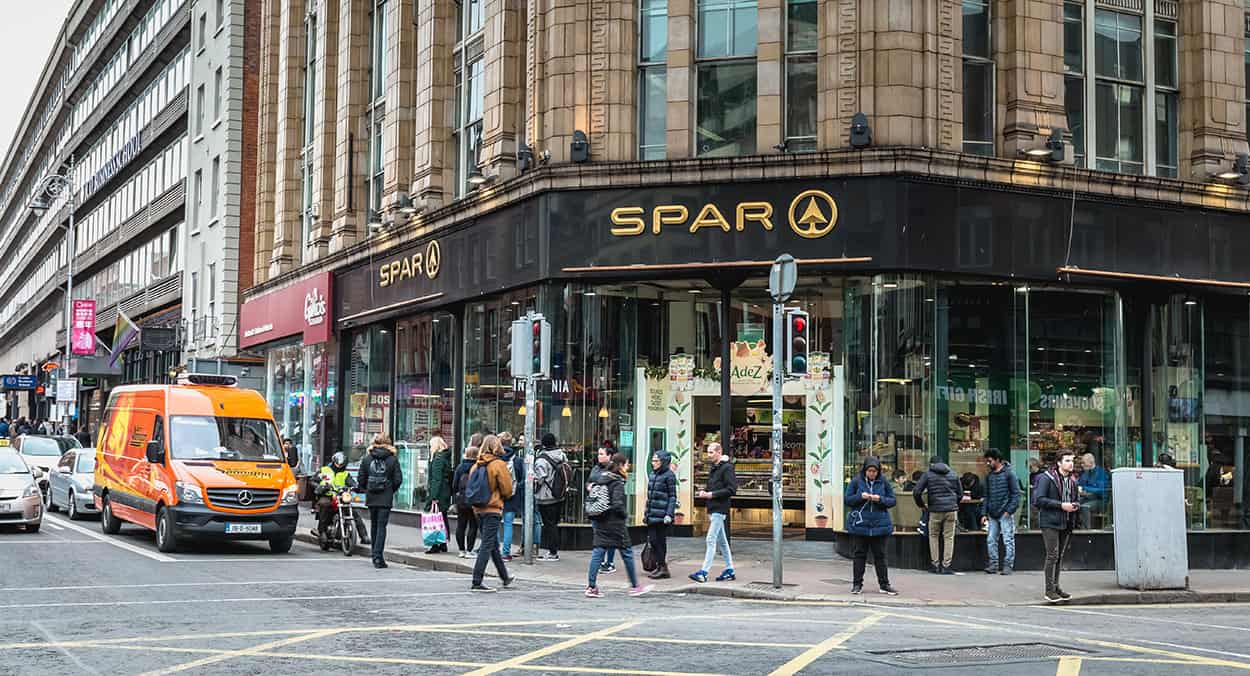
x=489, y=485
x=83, y=437
x=1058, y=502
x=603, y=460
x=941, y=493
x=611, y=533
x=998, y=512
x=439, y=485
x=466, y=520
x=4, y=427
x=551, y=474
x=661, y=505
x=870, y=498
x=515, y=505
x=381, y=477
x=722, y=484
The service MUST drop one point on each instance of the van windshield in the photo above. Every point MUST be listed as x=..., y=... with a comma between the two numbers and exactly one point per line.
x=206, y=437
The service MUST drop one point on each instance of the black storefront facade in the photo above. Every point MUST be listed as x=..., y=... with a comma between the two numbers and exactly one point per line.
x=952, y=317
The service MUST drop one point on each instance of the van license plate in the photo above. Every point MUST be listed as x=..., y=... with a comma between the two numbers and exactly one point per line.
x=242, y=528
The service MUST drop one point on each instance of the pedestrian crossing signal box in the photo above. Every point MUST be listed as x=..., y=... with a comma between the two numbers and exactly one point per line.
x=531, y=347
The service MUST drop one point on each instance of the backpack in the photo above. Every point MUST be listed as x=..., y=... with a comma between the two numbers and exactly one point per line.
x=379, y=478
x=461, y=486
x=598, y=500
x=560, y=478
x=477, y=489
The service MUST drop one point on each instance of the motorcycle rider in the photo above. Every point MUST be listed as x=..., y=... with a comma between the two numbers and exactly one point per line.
x=333, y=478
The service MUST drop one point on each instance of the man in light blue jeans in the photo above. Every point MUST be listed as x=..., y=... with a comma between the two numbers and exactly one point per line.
x=722, y=484
x=998, y=512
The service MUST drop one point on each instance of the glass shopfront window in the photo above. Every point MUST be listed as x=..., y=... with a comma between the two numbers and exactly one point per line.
x=300, y=392
x=424, y=399
x=1226, y=411
x=369, y=364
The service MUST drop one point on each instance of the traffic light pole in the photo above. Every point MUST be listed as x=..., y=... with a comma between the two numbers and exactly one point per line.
x=530, y=405
x=778, y=379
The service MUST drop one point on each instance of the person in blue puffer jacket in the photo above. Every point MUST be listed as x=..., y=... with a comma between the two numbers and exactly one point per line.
x=869, y=498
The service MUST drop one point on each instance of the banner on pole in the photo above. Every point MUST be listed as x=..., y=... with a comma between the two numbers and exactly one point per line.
x=82, y=338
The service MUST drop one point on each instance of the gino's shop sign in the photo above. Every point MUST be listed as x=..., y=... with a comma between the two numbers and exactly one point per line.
x=812, y=214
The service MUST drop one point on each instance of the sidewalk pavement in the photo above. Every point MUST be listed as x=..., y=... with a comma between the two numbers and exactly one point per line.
x=814, y=573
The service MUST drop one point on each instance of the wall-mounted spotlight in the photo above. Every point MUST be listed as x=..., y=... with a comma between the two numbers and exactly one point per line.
x=1239, y=172
x=1051, y=150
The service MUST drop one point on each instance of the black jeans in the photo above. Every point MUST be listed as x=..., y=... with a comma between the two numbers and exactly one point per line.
x=465, y=519
x=860, y=544
x=551, y=526
x=657, y=534
x=1056, y=546
x=378, y=518
x=489, y=549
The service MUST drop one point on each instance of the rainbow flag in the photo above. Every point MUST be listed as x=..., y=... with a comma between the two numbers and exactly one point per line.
x=124, y=335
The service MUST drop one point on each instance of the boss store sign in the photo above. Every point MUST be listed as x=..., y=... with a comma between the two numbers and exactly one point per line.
x=302, y=308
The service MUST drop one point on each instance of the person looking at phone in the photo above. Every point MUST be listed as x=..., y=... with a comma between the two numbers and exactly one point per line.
x=1057, y=500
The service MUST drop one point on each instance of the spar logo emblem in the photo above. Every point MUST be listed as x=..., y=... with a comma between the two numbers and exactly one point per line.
x=817, y=213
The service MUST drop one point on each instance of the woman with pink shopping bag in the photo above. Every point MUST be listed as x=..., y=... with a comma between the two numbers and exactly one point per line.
x=440, y=494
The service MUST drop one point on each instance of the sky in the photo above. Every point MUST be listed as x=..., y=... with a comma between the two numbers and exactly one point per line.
x=27, y=30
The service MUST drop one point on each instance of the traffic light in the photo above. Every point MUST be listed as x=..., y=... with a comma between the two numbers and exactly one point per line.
x=796, y=342
x=531, y=347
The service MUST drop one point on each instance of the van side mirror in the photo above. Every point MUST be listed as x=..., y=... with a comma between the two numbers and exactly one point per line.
x=292, y=457
x=156, y=452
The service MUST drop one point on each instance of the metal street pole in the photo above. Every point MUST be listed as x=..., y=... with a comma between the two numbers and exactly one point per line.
x=778, y=378
x=530, y=420
x=71, y=251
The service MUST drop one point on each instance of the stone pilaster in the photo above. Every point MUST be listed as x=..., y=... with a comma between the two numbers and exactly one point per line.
x=837, y=84
x=1212, y=115
x=288, y=137
x=680, y=78
x=324, y=128
x=433, y=178
x=352, y=140
x=1029, y=58
x=398, y=135
x=501, y=37
x=770, y=75
x=267, y=139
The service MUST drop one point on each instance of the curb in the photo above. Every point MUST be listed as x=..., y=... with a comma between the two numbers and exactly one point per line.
x=434, y=564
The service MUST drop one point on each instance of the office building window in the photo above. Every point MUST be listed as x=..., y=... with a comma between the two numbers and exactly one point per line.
x=800, y=103
x=377, y=106
x=725, y=105
x=217, y=84
x=978, y=79
x=1119, y=92
x=221, y=14
x=203, y=28
x=652, y=79
x=1166, y=123
x=215, y=199
x=211, y=292
x=310, y=115
x=199, y=110
x=198, y=185
x=470, y=96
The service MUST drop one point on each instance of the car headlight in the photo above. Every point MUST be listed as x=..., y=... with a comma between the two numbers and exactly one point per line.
x=31, y=491
x=291, y=495
x=189, y=493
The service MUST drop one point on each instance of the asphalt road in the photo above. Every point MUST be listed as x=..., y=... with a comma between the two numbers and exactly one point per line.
x=75, y=601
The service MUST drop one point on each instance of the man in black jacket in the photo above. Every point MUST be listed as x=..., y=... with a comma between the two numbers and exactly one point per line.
x=380, y=477
x=722, y=484
x=1057, y=501
x=944, y=492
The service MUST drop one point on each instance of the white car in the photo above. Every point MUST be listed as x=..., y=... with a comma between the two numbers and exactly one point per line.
x=20, y=501
x=43, y=452
x=69, y=484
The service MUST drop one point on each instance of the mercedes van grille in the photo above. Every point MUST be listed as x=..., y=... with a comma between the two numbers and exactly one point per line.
x=243, y=498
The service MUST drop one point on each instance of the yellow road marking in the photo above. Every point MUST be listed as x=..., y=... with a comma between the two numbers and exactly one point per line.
x=814, y=653
x=628, y=639
x=552, y=649
x=242, y=653
x=1069, y=666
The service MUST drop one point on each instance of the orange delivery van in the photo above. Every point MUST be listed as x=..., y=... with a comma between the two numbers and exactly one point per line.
x=200, y=459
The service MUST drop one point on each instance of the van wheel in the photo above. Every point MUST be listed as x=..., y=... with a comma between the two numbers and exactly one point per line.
x=166, y=537
x=281, y=544
x=110, y=524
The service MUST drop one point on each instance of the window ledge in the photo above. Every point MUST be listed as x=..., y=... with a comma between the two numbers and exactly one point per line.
x=214, y=221
x=200, y=51
x=198, y=138
x=194, y=233
x=220, y=28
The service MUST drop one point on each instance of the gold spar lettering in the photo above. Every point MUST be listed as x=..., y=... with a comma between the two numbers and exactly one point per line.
x=668, y=214
x=398, y=270
x=760, y=212
x=709, y=217
x=630, y=221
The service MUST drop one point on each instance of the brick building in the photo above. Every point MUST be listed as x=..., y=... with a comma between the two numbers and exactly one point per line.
x=1017, y=223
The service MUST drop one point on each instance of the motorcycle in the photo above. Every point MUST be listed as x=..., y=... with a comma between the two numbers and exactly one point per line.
x=342, y=531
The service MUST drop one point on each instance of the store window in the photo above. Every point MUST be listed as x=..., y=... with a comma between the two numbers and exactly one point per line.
x=801, y=36
x=425, y=395
x=298, y=389
x=652, y=78
x=726, y=89
x=368, y=365
x=1225, y=416
x=978, y=71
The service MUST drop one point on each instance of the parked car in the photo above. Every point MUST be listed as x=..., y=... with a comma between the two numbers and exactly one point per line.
x=20, y=502
x=69, y=486
x=43, y=451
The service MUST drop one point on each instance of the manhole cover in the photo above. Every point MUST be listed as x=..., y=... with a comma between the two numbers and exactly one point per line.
x=767, y=585
x=1010, y=652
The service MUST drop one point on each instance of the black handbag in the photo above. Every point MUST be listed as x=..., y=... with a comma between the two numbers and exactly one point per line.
x=649, y=564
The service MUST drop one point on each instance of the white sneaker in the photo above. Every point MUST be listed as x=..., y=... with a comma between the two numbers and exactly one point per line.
x=464, y=554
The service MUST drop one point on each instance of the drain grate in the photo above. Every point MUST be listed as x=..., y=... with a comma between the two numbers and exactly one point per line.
x=1009, y=652
x=768, y=586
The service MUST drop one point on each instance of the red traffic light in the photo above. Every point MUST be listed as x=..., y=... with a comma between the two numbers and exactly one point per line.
x=538, y=329
x=799, y=323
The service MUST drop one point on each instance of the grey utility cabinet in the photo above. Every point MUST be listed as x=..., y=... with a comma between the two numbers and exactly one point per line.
x=1150, y=551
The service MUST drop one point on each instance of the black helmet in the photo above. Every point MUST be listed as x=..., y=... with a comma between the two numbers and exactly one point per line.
x=338, y=460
